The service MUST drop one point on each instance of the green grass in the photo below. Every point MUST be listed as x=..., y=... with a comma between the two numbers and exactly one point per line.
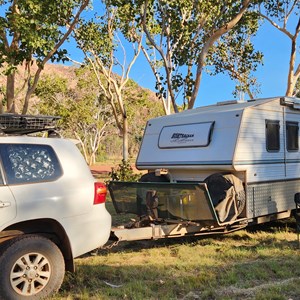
x=260, y=263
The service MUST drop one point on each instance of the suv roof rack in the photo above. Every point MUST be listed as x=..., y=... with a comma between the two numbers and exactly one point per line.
x=25, y=124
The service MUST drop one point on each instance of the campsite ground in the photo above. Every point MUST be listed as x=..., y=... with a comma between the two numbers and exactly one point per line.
x=262, y=262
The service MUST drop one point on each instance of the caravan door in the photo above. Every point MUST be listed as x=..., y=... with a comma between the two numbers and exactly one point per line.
x=292, y=154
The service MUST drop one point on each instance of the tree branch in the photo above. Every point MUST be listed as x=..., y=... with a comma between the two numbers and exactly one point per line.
x=214, y=37
x=282, y=29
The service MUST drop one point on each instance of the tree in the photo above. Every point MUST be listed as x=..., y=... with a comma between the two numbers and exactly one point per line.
x=297, y=89
x=278, y=13
x=82, y=114
x=235, y=55
x=183, y=37
x=31, y=34
x=99, y=40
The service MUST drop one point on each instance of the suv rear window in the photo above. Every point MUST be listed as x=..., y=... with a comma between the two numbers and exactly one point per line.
x=28, y=163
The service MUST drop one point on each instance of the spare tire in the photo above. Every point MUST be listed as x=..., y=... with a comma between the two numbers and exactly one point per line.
x=151, y=177
x=226, y=192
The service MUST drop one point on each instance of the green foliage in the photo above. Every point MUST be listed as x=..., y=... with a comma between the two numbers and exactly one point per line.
x=95, y=36
x=51, y=85
x=112, y=61
x=281, y=9
x=32, y=32
x=237, y=57
x=124, y=172
x=82, y=115
x=178, y=39
x=297, y=89
x=83, y=112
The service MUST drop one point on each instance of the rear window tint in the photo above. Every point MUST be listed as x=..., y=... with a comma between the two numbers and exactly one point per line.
x=27, y=163
x=1, y=178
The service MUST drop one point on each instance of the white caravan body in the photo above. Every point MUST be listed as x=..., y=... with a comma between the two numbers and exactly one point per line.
x=257, y=141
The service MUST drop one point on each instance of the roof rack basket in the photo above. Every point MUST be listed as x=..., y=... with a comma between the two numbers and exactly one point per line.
x=25, y=124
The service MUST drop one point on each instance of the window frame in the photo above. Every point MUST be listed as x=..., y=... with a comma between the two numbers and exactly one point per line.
x=2, y=177
x=291, y=124
x=269, y=134
x=10, y=177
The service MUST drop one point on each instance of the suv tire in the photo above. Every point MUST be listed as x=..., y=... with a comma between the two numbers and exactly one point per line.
x=31, y=266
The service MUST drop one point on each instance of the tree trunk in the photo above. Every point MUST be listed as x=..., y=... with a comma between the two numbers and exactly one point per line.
x=208, y=44
x=125, y=138
x=10, y=93
x=293, y=77
x=31, y=89
x=1, y=105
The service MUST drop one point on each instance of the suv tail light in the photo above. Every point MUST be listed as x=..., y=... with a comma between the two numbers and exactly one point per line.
x=100, y=193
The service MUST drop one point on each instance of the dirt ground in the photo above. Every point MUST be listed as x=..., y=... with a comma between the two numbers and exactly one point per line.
x=100, y=170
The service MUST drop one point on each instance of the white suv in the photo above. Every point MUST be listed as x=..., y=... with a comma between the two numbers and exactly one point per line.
x=51, y=209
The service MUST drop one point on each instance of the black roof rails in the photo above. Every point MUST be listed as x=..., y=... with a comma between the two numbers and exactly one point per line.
x=25, y=124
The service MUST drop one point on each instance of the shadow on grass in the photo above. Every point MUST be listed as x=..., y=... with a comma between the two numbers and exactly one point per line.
x=228, y=278
x=238, y=236
x=274, y=226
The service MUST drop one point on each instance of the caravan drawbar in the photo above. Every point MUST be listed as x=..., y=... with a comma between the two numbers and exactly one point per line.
x=214, y=169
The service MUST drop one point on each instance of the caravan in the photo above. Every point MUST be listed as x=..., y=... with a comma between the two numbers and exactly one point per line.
x=216, y=168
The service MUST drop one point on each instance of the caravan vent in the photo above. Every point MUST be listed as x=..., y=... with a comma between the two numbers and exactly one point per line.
x=229, y=102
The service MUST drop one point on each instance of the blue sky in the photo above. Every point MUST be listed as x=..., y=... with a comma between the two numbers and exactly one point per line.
x=272, y=75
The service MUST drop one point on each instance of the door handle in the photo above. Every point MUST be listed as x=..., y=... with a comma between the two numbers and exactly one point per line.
x=4, y=204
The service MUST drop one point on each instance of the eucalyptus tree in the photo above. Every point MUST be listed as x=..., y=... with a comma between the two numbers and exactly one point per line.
x=235, y=55
x=100, y=39
x=284, y=15
x=185, y=38
x=297, y=89
x=31, y=34
x=82, y=114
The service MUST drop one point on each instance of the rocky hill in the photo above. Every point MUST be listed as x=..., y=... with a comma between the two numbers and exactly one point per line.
x=141, y=104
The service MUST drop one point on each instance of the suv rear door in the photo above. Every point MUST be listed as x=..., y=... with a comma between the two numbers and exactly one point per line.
x=7, y=204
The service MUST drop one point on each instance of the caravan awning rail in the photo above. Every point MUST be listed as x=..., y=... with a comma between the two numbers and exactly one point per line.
x=290, y=101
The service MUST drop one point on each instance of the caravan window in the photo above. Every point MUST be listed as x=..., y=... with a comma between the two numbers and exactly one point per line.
x=272, y=136
x=292, y=130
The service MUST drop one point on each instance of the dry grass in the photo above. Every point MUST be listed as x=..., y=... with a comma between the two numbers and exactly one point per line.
x=259, y=263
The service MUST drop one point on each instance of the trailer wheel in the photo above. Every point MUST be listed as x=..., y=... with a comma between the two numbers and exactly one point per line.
x=31, y=267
